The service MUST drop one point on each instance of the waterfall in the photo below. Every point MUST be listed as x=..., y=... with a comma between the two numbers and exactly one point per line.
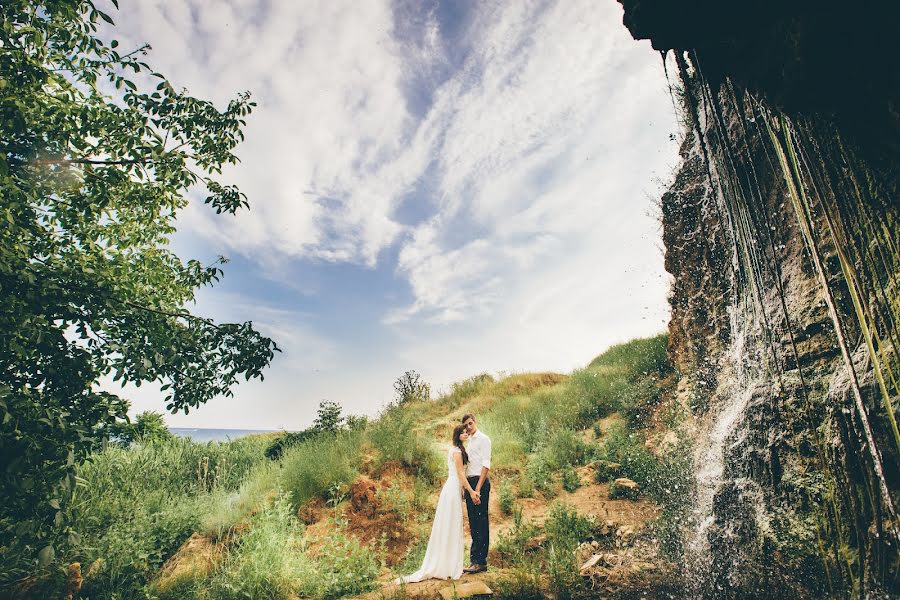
x=789, y=304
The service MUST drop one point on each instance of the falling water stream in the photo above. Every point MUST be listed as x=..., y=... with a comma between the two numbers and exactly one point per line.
x=814, y=276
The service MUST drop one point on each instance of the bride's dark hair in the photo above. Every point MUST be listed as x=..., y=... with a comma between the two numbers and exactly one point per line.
x=457, y=431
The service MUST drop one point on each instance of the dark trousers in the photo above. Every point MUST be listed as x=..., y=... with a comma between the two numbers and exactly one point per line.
x=478, y=522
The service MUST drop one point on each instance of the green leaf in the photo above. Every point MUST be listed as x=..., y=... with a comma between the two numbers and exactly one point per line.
x=46, y=556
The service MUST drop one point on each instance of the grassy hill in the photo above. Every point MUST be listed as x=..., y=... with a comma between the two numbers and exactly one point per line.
x=342, y=513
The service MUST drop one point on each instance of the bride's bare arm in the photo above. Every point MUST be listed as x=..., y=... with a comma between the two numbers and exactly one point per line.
x=461, y=473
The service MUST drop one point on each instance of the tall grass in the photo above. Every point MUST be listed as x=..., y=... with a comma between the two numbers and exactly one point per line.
x=268, y=561
x=134, y=507
x=317, y=466
x=395, y=438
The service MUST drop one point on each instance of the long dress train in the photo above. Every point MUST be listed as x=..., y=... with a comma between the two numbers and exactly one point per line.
x=444, y=555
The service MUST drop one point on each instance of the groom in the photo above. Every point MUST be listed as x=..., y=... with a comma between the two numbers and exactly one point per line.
x=479, y=451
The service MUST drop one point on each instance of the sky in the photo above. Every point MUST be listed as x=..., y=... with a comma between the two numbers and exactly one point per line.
x=450, y=187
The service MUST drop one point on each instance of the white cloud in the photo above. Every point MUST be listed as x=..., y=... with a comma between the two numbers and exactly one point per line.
x=532, y=165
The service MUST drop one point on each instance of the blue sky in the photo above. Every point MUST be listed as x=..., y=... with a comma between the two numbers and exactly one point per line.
x=450, y=187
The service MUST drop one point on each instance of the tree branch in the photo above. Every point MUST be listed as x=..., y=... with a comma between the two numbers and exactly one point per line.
x=172, y=314
x=87, y=161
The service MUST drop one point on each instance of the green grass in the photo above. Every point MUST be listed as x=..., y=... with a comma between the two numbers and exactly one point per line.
x=395, y=439
x=316, y=466
x=136, y=506
x=268, y=561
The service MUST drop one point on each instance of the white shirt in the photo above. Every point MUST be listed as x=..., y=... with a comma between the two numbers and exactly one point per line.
x=479, y=451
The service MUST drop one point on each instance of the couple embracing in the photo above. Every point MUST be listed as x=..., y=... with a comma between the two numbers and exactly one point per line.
x=467, y=477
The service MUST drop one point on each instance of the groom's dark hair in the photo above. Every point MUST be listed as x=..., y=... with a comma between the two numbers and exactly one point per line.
x=466, y=417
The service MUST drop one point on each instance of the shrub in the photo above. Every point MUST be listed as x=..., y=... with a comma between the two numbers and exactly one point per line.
x=356, y=422
x=410, y=387
x=570, y=479
x=465, y=389
x=511, y=544
x=276, y=448
x=505, y=498
x=605, y=470
x=132, y=548
x=617, y=492
x=564, y=449
x=396, y=499
x=638, y=463
x=312, y=468
x=565, y=528
x=526, y=486
x=542, y=476
x=595, y=394
x=328, y=418
x=638, y=401
x=148, y=426
x=394, y=438
x=344, y=566
x=522, y=583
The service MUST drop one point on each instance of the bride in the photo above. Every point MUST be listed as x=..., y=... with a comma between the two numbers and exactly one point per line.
x=444, y=555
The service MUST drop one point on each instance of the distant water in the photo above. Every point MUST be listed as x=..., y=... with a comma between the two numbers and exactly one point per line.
x=218, y=435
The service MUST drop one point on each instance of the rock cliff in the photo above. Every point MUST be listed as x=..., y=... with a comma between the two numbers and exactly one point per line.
x=782, y=231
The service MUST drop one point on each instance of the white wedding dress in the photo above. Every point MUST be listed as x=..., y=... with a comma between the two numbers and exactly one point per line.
x=444, y=555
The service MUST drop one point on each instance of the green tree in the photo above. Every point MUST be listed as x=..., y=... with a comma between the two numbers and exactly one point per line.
x=328, y=419
x=97, y=154
x=148, y=426
x=410, y=387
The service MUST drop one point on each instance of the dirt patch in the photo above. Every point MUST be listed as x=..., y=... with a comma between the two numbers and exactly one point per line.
x=364, y=497
x=312, y=511
x=368, y=518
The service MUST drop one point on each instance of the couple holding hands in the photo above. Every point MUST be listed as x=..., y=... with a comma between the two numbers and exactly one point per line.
x=468, y=463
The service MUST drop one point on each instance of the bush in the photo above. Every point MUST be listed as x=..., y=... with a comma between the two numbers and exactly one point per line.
x=637, y=463
x=505, y=498
x=394, y=438
x=148, y=426
x=328, y=419
x=395, y=498
x=312, y=468
x=344, y=567
x=135, y=546
x=289, y=439
x=617, y=492
x=542, y=476
x=465, y=389
x=596, y=394
x=605, y=470
x=570, y=479
x=522, y=583
x=526, y=486
x=410, y=387
x=511, y=544
x=565, y=448
x=565, y=528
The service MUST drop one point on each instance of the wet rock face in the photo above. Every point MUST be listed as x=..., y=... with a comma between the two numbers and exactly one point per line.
x=782, y=231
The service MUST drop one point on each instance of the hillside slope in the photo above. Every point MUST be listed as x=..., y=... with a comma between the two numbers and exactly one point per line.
x=343, y=513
